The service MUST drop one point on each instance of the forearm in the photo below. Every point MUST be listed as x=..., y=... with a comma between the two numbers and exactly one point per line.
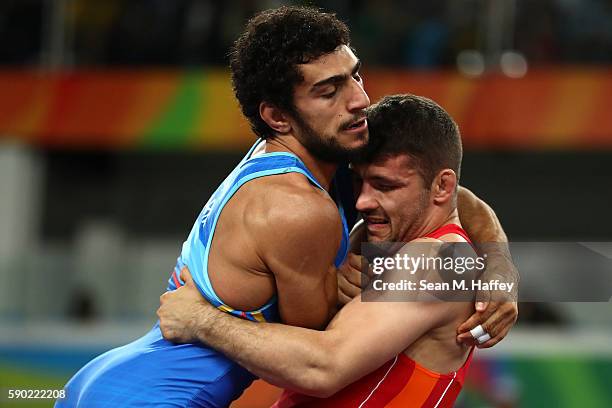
x=286, y=356
x=478, y=218
x=484, y=228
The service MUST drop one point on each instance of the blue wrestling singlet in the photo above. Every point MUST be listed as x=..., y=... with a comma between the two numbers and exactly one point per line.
x=153, y=372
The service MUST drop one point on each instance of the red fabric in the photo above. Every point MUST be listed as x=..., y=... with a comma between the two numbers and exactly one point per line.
x=176, y=281
x=449, y=229
x=390, y=384
x=396, y=382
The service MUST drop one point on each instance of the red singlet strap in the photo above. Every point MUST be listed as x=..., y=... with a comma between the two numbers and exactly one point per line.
x=449, y=229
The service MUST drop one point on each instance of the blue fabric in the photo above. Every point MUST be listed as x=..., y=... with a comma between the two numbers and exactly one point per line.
x=152, y=372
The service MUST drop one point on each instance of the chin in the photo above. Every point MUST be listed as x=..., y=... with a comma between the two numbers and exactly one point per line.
x=355, y=147
x=361, y=139
x=374, y=239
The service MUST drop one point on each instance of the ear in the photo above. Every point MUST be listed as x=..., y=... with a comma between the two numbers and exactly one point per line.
x=274, y=117
x=444, y=186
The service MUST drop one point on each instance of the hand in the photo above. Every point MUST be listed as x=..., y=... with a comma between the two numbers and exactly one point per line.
x=496, y=310
x=496, y=319
x=180, y=309
x=350, y=279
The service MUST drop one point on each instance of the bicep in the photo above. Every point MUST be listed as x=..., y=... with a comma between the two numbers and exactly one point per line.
x=368, y=334
x=302, y=261
x=307, y=293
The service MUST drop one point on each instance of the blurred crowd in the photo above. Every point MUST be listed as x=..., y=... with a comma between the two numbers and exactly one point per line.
x=416, y=34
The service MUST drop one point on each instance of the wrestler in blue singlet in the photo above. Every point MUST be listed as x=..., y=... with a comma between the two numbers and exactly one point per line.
x=153, y=372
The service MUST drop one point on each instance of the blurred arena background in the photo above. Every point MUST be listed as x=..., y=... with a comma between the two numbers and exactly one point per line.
x=117, y=121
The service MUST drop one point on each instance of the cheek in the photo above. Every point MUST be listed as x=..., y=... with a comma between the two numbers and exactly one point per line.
x=390, y=207
x=401, y=207
x=322, y=120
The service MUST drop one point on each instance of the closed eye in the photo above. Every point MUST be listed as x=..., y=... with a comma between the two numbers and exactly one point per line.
x=330, y=95
x=385, y=187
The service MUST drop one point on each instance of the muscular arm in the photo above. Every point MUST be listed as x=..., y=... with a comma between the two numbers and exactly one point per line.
x=362, y=337
x=298, y=244
x=497, y=312
x=478, y=219
x=485, y=230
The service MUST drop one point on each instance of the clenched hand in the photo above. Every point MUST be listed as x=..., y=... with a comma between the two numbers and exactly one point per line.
x=180, y=310
x=350, y=279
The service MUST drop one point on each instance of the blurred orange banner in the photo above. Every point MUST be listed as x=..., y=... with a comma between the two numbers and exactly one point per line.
x=130, y=109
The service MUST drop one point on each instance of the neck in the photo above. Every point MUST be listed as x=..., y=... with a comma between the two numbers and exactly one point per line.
x=322, y=171
x=436, y=218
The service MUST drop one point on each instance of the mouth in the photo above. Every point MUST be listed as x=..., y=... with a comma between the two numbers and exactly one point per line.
x=375, y=223
x=357, y=126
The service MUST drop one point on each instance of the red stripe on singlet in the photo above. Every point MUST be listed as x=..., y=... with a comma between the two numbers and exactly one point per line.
x=441, y=393
x=175, y=279
x=400, y=382
x=393, y=384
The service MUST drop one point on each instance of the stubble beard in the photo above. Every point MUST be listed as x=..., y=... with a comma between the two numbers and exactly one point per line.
x=325, y=147
x=416, y=218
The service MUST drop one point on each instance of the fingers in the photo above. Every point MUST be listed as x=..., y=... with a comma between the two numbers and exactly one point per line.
x=163, y=297
x=496, y=321
x=481, y=306
x=506, y=324
x=357, y=263
x=354, y=260
x=352, y=269
x=483, y=297
x=464, y=336
x=347, y=288
x=343, y=299
x=186, y=275
x=169, y=322
x=477, y=318
x=500, y=323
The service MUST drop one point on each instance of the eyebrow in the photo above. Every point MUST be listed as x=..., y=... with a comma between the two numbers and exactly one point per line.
x=389, y=180
x=337, y=78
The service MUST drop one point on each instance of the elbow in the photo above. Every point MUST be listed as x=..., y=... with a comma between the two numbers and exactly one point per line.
x=330, y=388
x=321, y=371
x=324, y=379
x=321, y=384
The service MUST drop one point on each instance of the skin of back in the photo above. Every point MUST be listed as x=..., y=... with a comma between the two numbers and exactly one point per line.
x=438, y=349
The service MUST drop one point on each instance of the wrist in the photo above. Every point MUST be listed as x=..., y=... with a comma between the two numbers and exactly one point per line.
x=200, y=321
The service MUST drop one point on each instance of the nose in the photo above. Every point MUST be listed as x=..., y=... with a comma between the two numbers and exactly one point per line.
x=359, y=99
x=366, y=201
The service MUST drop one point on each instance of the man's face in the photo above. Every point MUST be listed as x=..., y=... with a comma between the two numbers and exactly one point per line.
x=392, y=199
x=330, y=120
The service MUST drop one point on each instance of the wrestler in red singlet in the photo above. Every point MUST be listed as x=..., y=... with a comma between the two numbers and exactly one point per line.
x=401, y=382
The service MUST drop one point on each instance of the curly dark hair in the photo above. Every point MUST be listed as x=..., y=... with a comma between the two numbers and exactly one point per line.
x=416, y=126
x=264, y=58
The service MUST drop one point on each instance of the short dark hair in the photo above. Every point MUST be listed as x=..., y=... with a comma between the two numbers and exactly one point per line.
x=416, y=126
x=264, y=58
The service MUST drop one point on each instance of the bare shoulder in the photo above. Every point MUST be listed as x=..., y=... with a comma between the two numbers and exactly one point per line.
x=284, y=205
x=432, y=260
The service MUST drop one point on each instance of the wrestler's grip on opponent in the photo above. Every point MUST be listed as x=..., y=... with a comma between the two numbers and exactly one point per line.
x=350, y=279
x=180, y=307
x=496, y=312
x=175, y=305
